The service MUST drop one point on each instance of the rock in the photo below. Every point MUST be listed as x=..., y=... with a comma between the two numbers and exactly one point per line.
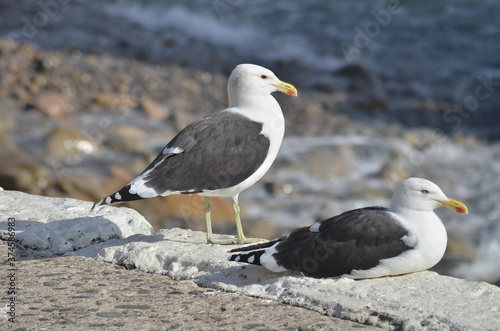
x=395, y=170
x=110, y=100
x=154, y=109
x=355, y=71
x=185, y=211
x=314, y=109
x=192, y=207
x=94, y=188
x=132, y=140
x=70, y=144
x=51, y=104
x=25, y=176
x=372, y=102
x=20, y=171
x=323, y=87
x=328, y=158
x=365, y=87
x=83, y=187
x=7, y=45
x=7, y=146
x=15, y=178
x=182, y=117
x=60, y=225
x=423, y=300
x=7, y=115
x=169, y=42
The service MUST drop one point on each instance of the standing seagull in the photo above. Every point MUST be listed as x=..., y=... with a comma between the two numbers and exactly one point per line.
x=364, y=243
x=220, y=154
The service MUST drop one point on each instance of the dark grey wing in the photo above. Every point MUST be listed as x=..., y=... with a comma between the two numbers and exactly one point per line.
x=357, y=239
x=217, y=151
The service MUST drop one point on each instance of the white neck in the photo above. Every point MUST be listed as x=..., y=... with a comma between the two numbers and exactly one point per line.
x=432, y=232
x=263, y=109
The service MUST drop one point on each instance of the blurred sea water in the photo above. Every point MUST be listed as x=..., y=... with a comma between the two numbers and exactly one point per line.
x=443, y=51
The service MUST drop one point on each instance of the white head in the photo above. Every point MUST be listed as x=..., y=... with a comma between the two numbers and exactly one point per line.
x=420, y=194
x=250, y=80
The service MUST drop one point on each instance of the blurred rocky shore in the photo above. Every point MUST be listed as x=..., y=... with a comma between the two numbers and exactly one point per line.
x=83, y=125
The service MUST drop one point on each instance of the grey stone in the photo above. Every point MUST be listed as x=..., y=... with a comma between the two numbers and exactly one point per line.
x=59, y=225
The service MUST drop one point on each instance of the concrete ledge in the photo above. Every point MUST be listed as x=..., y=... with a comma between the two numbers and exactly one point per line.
x=417, y=301
x=58, y=225
x=423, y=300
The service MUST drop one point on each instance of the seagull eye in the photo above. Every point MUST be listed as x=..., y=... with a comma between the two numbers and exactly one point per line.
x=263, y=77
x=425, y=191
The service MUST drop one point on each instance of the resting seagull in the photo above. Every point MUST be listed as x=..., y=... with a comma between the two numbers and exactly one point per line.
x=221, y=154
x=364, y=243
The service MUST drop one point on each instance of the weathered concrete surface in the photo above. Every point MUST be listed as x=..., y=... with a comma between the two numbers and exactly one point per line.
x=417, y=301
x=78, y=293
x=59, y=225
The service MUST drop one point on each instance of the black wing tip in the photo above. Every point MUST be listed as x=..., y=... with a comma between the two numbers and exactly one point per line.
x=254, y=246
x=123, y=195
x=250, y=258
x=233, y=257
x=97, y=204
x=242, y=258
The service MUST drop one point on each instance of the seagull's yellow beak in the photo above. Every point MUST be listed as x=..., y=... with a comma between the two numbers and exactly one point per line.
x=455, y=205
x=286, y=88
